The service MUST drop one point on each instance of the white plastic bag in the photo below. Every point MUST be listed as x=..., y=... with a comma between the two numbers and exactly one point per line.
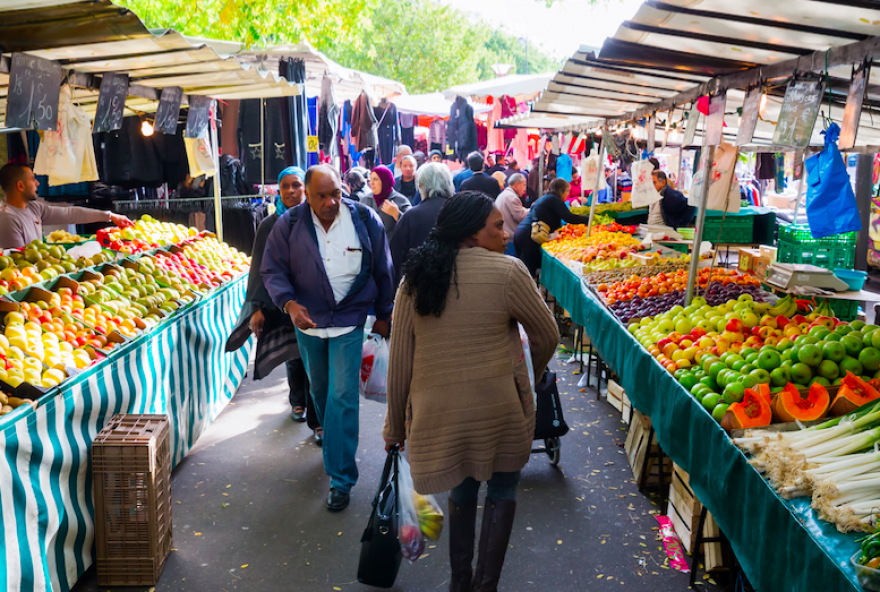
x=198, y=154
x=527, y=352
x=590, y=168
x=67, y=155
x=721, y=184
x=374, y=369
x=643, y=191
x=419, y=516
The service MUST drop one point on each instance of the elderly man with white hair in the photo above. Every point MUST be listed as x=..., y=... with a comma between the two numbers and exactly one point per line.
x=435, y=187
x=513, y=211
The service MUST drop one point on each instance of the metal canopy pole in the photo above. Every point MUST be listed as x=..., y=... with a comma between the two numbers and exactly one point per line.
x=800, y=188
x=262, y=147
x=600, y=171
x=698, y=232
x=215, y=154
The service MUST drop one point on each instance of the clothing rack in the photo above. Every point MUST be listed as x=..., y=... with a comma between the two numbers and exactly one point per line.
x=176, y=202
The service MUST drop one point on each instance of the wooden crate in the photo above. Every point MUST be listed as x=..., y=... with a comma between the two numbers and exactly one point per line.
x=618, y=399
x=684, y=511
x=637, y=446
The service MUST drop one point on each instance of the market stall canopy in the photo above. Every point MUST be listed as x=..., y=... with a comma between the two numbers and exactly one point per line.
x=522, y=87
x=679, y=46
x=95, y=37
x=430, y=105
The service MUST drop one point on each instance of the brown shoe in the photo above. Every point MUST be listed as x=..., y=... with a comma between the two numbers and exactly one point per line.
x=462, y=526
x=494, y=536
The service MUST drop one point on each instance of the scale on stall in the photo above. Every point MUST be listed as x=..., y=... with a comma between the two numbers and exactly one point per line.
x=788, y=275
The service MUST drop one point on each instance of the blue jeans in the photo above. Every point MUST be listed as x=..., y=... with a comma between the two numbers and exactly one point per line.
x=333, y=366
x=502, y=486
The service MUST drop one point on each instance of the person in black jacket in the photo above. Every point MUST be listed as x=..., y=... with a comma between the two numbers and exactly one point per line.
x=435, y=187
x=549, y=209
x=674, y=205
x=480, y=181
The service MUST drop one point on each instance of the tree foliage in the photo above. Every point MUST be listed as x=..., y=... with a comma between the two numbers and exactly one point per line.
x=426, y=45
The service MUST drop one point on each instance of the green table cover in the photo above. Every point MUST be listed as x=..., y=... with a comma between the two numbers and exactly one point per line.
x=180, y=369
x=781, y=545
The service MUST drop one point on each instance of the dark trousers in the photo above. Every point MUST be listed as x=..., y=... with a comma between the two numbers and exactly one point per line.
x=299, y=391
x=502, y=486
x=527, y=250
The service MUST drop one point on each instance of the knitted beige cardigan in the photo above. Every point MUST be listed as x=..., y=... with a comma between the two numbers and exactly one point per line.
x=458, y=387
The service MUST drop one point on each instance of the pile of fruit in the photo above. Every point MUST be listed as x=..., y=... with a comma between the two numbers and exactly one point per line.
x=719, y=352
x=38, y=262
x=602, y=208
x=62, y=236
x=602, y=250
x=615, y=227
x=147, y=233
x=8, y=403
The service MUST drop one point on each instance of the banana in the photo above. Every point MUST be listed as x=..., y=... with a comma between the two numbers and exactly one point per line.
x=782, y=306
x=792, y=309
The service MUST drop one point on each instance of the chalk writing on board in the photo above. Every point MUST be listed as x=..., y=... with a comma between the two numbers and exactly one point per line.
x=111, y=103
x=751, y=111
x=169, y=110
x=34, y=89
x=798, y=114
x=853, y=111
x=199, y=116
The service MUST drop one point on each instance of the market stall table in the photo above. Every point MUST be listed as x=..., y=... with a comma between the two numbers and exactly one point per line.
x=781, y=544
x=180, y=369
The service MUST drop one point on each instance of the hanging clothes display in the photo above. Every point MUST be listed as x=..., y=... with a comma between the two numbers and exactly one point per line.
x=229, y=129
x=508, y=109
x=389, y=131
x=461, y=131
x=765, y=167
x=563, y=167
x=130, y=159
x=482, y=135
x=408, y=123
x=328, y=119
x=363, y=124
x=437, y=135
x=295, y=116
x=495, y=142
x=272, y=152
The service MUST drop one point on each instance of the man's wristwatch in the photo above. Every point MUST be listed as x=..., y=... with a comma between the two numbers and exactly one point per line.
x=286, y=304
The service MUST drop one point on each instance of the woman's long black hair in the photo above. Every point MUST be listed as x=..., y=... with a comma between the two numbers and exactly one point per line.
x=430, y=269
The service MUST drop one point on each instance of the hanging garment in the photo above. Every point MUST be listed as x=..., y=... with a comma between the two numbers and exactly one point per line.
x=364, y=124
x=831, y=203
x=67, y=155
x=765, y=167
x=328, y=119
x=389, y=131
x=130, y=159
x=437, y=135
x=295, y=115
x=408, y=123
x=229, y=129
x=563, y=167
x=482, y=136
x=520, y=147
x=495, y=142
x=508, y=109
x=271, y=154
x=461, y=131
x=171, y=151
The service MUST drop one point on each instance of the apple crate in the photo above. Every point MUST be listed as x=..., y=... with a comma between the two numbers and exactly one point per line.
x=131, y=466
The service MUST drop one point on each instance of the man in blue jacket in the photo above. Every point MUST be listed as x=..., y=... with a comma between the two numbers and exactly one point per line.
x=674, y=205
x=326, y=264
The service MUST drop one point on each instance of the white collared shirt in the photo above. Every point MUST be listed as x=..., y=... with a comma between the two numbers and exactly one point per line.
x=341, y=253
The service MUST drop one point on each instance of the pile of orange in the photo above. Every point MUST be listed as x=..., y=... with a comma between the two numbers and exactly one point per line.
x=662, y=283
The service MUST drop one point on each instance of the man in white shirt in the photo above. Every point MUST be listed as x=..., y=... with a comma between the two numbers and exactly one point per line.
x=512, y=209
x=326, y=264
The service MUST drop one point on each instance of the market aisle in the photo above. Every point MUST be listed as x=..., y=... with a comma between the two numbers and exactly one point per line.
x=249, y=509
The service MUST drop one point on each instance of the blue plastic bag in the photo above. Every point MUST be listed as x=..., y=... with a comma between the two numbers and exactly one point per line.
x=831, y=203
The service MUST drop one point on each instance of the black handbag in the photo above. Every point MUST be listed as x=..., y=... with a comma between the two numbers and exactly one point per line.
x=549, y=422
x=380, y=546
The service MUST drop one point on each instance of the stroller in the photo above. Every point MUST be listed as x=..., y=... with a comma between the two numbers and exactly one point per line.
x=550, y=424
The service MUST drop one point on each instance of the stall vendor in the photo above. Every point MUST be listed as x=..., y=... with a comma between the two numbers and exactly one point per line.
x=674, y=208
x=22, y=216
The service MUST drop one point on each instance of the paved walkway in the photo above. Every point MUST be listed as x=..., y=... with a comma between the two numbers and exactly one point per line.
x=249, y=509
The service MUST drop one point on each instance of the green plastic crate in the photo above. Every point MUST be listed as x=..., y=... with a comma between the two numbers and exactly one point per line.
x=797, y=245
x=801, y=234
x=845, y=310
x=736, y=229
x=681, y=248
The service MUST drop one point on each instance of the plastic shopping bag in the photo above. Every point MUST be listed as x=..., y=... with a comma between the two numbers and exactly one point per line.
x=591, y=169
x=831, y=203
x=67, y=155
x=527, y=353
x=374, y=369
x=643, y=191
x=419, y=516
x=721, y=181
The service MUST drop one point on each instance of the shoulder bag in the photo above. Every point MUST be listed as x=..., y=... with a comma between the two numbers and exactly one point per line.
x=380, y=547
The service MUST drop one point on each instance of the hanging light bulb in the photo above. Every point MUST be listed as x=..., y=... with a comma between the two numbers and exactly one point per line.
x=146, y=127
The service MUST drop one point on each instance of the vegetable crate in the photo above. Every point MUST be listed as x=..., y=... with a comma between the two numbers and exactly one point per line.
x=736, y=229
x=131, y=464
x=797, y=245
x=684, y=511
x=845, y=310
x=637, y=447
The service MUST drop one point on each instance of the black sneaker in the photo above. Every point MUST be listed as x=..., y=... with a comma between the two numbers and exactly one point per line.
x=319, y=438
x=298, y=416
x=337, y=501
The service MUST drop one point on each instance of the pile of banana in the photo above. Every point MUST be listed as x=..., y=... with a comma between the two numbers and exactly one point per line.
x=430, y=517
x=786, y=307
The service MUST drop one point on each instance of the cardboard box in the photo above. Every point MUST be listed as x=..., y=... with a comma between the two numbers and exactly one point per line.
x=746, y=259
x=769, y=252
x=684, y=511
x=761, y=266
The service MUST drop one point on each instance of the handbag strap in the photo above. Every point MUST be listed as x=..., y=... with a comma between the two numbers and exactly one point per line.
x=390, y=462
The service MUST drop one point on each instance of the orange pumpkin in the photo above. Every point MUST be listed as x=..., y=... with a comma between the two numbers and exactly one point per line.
x=752, y=412
x=854, y=392
x=791, y=406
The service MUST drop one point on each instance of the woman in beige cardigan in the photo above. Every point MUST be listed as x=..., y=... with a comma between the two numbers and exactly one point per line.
x=458, y=388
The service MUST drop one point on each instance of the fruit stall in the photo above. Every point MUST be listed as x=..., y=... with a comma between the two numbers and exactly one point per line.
x=717, y=379
x=140, y=327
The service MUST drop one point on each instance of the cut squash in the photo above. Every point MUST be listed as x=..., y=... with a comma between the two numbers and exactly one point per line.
x=791, y=406
x=854, y=392
x=753, y=412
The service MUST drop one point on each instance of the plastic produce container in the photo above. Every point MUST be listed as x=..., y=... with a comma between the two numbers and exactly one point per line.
x=797, y=245
x=869, y=578
x=854, y=278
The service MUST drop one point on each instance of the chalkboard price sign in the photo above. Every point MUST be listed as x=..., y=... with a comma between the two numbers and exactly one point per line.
x=199, y=116
x=169, y=110
x=749, y=120
x=34, y=90
x=111, y=103
x=798, y=115
x=853, y=111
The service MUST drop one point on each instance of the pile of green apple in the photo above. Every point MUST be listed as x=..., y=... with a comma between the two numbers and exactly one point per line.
x=718, y=352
